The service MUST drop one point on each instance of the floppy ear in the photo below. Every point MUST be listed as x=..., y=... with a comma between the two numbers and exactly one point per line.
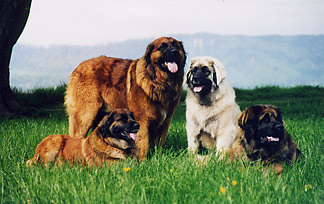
x=147, y=55
x=189, y=71
x=104, y=130
x=188, y=75
x=184, y=52
x=279, y=114
x=245, y=118
x=215, y=77
x=219, y=72
x=246, y=121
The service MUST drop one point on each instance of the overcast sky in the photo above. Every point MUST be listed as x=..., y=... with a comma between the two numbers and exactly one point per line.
x=90, y=22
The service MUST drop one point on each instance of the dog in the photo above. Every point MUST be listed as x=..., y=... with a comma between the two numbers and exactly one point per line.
x=211, y=110
x=113, y=139
x=263, y=137
x=150, y=87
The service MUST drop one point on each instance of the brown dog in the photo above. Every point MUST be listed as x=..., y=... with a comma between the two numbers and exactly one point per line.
x=113, y=139
x=150, y=87
x=263, y=137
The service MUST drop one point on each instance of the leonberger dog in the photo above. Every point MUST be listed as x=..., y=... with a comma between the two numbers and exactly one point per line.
x=263, y=137
x=150, y=87
x=211, y=110
x=113, y=139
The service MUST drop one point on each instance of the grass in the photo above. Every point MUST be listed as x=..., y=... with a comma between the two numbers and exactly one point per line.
x=170, y=175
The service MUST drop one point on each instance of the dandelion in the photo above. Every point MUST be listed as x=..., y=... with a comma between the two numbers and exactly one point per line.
x=308, y=187
x=171, y=170
x=222, y=190
x=28, y=200
x=234, y=183
x=126, y=169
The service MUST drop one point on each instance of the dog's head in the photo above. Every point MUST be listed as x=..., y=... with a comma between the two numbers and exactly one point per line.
x=262, y=125
x=119, y=124
x=205, y=75
x=166, y=53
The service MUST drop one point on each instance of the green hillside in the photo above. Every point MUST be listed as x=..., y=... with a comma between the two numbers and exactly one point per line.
x=250, y=60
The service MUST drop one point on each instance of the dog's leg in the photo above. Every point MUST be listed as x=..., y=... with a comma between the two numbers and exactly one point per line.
x=80, y=122
x=163, y=132
x=82, y=102
x=142, y=142
x=103, y=148
x=192, y=133
x=225, y=138
x=47, y=150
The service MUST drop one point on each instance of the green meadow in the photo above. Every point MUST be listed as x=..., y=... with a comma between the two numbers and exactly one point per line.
x=169, y=175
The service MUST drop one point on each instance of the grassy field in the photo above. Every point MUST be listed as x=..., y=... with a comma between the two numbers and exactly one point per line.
x=169, y=175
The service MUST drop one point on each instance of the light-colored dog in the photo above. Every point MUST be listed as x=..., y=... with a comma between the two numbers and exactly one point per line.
x=212, y=112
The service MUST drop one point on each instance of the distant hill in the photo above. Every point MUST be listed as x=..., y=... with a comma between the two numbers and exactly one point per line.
x=250, y=60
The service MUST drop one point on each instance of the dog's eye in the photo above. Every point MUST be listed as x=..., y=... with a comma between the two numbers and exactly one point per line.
x=206, y=71
x=122, y=118
x=163, y=46
x=175, y=44
x=195, y=69
x=265, y=119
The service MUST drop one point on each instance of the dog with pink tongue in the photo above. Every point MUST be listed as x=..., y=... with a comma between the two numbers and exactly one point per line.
x=211, y=110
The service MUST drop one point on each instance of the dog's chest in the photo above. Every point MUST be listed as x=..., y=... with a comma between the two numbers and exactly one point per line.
x=205, y=119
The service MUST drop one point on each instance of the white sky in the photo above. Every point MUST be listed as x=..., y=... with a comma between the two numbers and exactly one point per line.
x=89, y=22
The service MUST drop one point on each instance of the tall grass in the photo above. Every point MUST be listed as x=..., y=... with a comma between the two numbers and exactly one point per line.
x=169, y=175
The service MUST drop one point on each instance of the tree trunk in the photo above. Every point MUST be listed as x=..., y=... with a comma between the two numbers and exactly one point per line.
x=13, y=18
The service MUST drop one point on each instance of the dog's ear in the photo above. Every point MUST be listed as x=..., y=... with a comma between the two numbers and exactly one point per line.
x=219, y=73
x=215, y=77
x=189, y=75
x=104, y=130
x=147, y=55
x=247, y=121
x=184, y=52
x=278, y=114
x=249, y=116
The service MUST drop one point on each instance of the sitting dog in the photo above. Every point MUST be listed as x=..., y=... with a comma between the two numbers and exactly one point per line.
x=211, y=113
x=263, y=137
x=113, y=139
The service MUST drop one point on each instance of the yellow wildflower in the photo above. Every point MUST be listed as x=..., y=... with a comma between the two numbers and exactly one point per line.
x=308, y=187
x=126, y=169
x=222, y=190
x=28, y=200
x=234, y=183
x=171, y=170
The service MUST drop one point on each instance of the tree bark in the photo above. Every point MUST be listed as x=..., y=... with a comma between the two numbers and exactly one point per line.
x=13, y=18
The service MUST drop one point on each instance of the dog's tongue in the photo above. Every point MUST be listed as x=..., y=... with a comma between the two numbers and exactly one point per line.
x=172, y=66
x=272, y=139
x=133, y=136
x=197, y=89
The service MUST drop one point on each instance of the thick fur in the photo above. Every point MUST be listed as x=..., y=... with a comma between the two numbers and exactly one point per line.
x=145, y=86
x=107, y=143
x=258, y=123
x=212, y=112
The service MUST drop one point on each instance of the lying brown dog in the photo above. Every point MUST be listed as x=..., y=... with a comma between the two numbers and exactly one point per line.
x=113, y=139
x=263, y=137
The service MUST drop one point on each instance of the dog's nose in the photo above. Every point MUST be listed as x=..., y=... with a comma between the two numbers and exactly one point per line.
x=136, y=126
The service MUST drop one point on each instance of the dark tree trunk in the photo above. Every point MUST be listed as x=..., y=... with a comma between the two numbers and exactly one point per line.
x=13, y=18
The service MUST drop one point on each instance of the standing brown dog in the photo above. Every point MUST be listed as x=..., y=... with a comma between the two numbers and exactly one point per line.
x=150, y=87
x=113, y=139
x=264, y=137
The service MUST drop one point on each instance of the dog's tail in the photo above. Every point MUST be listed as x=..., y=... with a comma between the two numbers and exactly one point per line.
x=32, y=161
